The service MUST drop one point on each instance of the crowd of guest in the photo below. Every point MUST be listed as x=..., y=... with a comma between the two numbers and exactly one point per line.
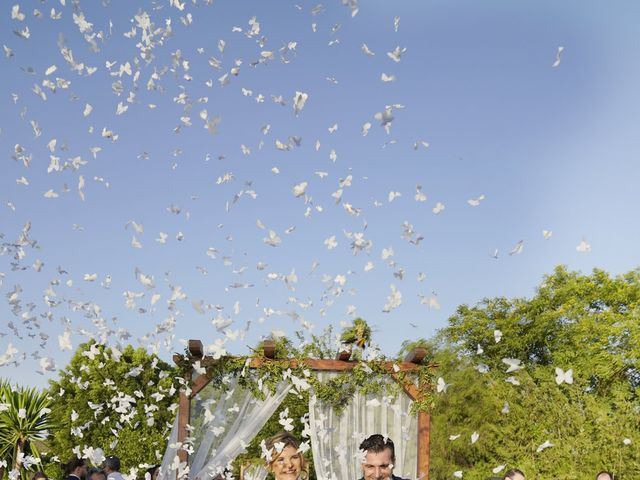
x=78, y=469
x=286, y=463
x=515, y=474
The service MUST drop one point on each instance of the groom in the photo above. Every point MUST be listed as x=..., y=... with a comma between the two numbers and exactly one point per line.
x=378, y=458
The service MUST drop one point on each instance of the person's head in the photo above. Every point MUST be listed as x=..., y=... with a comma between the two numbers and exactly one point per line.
x=39, y=476
x=76, y=466
x=286, y=463
x=152, y=473
x=96, y=474
x=378, y=457
x=604, y=475
x=111, y=464
x=514, y=474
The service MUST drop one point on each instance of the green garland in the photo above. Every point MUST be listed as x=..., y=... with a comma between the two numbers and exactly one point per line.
x=336, y=391
x=359, y=334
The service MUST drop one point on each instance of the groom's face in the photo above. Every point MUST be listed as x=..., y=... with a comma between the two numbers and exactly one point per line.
x=377, y=465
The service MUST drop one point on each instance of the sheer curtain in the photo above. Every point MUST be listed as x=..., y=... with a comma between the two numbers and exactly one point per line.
x=228, y=424
x=223, y=422
x=255, y=472
x=335, y=440
x=166, y=470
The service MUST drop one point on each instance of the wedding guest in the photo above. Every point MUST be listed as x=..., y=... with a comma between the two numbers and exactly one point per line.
x=514, y=474
x=76, y=469
x=152, y=473
x=604, y=475
x=111, y=467
x=96, y=474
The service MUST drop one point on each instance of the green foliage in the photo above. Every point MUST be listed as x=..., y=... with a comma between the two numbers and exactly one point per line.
x=123, y=402
x=336, y=391
x=25, y=421
x=588, y=323
x=359, y=334
x=321, y=346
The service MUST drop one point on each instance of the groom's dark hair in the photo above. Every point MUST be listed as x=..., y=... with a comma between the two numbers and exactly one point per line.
x=377, y=443
x=511, y=473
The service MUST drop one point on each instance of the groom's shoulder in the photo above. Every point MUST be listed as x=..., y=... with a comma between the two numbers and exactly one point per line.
x=393, y=477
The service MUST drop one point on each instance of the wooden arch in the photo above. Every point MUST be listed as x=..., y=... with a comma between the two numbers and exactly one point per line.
x=342, y=363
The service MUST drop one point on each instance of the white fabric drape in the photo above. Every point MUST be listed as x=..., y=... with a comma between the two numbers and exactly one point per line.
x=223, y=423
x=166, y=472
x=229, y=422
x=335, y=440
x=255, y=472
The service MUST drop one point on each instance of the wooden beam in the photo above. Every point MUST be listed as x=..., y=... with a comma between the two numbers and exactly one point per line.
x=322, y=365
x=417, y=355
x=424, y=431
x=269, y=348
x=195, y=348
x=314, y=364
x=344, y=354
x=331, y=365
x=409, y=388
x=198, y=384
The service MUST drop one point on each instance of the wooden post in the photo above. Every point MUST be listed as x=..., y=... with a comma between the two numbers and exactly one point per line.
x=344, y=354
x=416, y=355
x=184, y=412
x=196, y=349
x=184, y=418
x=424, y=428
x=269, y=349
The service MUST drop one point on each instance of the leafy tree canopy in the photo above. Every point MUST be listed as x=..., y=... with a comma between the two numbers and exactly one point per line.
x=588, y=324
x=122, y=402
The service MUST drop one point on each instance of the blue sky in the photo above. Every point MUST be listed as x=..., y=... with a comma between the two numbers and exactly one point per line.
x=550, y=148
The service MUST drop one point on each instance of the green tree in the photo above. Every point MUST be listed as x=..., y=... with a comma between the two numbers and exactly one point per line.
x=585, y=323
x=121, y=401
x=25, y=421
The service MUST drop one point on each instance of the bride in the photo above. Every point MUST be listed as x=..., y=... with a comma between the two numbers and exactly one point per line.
x=286, y=463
